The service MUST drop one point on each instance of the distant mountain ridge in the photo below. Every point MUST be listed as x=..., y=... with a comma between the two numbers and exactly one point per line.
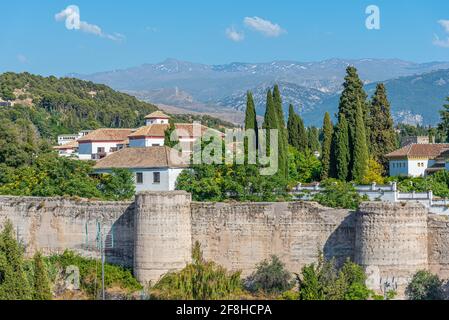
x=311, y=86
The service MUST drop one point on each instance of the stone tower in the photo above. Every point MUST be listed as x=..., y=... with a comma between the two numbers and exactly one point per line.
x=163, y=239
x=391, y=243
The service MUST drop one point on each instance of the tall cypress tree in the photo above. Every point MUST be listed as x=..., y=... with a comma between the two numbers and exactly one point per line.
x=341, y=149
x=292, y=128
x=328, y=131
x=41, y=282
x=303, y=138
x=168, y=133
x=313, y=139
x=270, y=119
x=14, y=284
x=361, y=155
x=251, y=120
x=382, y=134
x=353, y=94
x=283, y=139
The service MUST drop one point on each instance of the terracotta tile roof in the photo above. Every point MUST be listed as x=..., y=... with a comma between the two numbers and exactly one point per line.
x=158, y=130
x=107, y=135
x=157, y=115
x=153, y=130
x=430, y=151
x=69, y=145
x=151, y=157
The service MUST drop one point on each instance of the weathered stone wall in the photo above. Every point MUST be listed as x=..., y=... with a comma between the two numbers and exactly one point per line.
x=52, y=225
x=391, y=242
x=438, y=245
x=240, y=235
x=155, y=233
x=163, y=238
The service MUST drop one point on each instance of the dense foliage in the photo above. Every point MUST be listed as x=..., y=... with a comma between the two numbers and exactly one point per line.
x=90, y=273
x=438, y=183
x=425, y=286
x=339, y=194
x=50, y=175
x=200, y=280
x=324, y=281
x=270, y=278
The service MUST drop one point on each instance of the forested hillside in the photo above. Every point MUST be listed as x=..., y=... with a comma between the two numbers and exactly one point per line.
x=66, y=105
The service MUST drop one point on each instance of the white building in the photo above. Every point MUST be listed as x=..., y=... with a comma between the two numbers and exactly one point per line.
x=66, y=138
x=102, y=142
x=154, y=135
x=157, y=117
x=69, y=149
x=154, y=169
x=418, y=160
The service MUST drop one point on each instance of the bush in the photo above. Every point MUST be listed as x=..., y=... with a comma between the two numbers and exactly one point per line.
x=338, y=194
x=90, y=273
x=200, y=280
x=425, y=286
x=270, y=278
x=323, y=281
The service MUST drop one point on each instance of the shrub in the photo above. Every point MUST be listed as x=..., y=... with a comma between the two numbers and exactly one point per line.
x=200, y=280
x=338, y=194
x=270, y=278
x=425, y=286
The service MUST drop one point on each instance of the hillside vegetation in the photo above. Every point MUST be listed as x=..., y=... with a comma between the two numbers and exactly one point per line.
x=66, y=105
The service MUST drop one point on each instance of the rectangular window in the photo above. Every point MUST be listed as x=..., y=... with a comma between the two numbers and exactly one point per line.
x=156, y=145
x=100, y=150
x=139, y=177
x=156, y=177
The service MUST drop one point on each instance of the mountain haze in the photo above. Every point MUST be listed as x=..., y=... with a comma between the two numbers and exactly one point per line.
x=312, y=87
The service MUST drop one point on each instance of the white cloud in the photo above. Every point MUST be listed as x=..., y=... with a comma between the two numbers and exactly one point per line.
x=267, y=28
x=442, y=42
x=71, y=16
x=22, y=58
x=234, y=35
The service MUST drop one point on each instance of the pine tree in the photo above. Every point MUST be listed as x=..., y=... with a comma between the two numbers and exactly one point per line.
x=328, y=130
x=341, y=149
x=382, y=134
x=292, y=128
x=41, y=283
x=14, y=284
x=361, y=155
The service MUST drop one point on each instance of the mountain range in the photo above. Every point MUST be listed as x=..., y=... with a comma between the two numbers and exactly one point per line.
x=416, y=90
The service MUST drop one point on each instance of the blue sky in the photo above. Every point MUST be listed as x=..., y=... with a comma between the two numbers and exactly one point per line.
x=136, y=32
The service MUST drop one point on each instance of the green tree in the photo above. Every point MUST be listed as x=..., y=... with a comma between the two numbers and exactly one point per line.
x=328, y=131
x=444, y=123
x=303, y=138
x=170, y=136
x=293, y=128
x=41, y=282
x=251, y=119
x=425, y=286
x=270, y=120
x=119, y=185
x=14, y=284
x=360, y=152
x=382, y=135
x=313, y=139
x=283, y=135
x=200, y=280
x=270, y=277
x=339, y=194
x=342, y=154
